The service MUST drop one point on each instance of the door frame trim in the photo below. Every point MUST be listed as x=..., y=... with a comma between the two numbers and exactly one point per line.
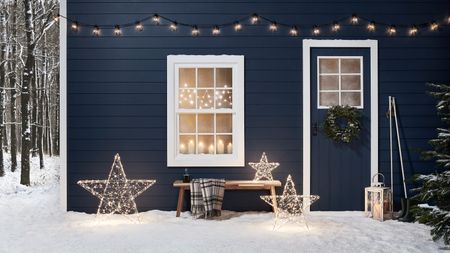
x=307, y=45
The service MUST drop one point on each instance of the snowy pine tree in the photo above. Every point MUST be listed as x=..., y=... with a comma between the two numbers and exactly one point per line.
x=434, y=193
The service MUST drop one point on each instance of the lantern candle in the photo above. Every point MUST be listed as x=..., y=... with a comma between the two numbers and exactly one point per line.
x=191, y=147
x=211, y=149
x=229, y=148
x=220, y=147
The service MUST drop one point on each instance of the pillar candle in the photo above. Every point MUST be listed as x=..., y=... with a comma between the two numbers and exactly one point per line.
x=211, y=149
x=191, y=147
x=201, y=148
x=220, y=147
x=229, y=148
x=182, y=148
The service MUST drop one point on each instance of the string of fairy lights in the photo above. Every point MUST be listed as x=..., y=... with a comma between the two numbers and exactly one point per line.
x=256, y=19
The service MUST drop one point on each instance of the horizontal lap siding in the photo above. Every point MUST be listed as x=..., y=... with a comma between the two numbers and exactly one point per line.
x=117, y=87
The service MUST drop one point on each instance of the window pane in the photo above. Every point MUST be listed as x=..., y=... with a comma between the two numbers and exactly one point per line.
x=328, y=98
x=350, y=66
x=187, y=77
x=224, y=98
x=206, y=77
x=206, y=123
x=224, y=77
x=329, y=82
x=187, y=123
x=351, y=98
x=351, y=82
x=205, y=144
x=224, y=123
x=329, y=65
x=187, y=144
x=205, y=99
x=186, y=98
x=224, y=144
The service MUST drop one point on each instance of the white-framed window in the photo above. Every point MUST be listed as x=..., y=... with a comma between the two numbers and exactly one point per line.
x=340, y=81
x=205, y=110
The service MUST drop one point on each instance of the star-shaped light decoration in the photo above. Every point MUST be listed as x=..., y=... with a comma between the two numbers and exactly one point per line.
x=289, y=207
x=117, y=193
x=263, y=168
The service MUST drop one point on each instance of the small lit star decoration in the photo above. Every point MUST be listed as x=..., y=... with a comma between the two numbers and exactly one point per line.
x=117, y=193
x=263, y=168
x=290, y=207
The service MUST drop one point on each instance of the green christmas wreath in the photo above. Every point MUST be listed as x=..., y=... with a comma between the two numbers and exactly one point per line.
x=342, y=124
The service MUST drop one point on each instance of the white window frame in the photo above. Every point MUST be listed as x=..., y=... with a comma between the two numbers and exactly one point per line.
x=361, y=76
x=237, y=158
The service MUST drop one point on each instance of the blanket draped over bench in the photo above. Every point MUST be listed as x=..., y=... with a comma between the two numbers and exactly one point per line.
x=207, y=197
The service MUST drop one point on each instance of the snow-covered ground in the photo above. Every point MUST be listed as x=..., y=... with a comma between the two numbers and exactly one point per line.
x=31, y=221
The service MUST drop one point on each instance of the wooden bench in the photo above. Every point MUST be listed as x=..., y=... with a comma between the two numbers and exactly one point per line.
x=231, y=185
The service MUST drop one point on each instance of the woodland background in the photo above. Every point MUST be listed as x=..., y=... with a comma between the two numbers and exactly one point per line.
x=29, y=84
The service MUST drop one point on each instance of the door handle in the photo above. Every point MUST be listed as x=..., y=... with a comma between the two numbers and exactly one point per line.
x=314, y=129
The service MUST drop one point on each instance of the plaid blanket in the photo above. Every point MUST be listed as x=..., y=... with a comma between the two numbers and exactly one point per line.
x=206, y=197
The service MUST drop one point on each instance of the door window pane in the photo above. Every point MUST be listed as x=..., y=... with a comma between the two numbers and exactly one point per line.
x=351, y=82
x=351, y=98
x=329, y=66
x=329, y=98
x=350, y=65
x=329, y=82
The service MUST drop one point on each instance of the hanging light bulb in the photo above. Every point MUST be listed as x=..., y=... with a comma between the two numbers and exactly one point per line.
x=371, y=26
x=293, y=31
x=254, y=19
x=117, y=30
x=75, y=26
x=316, y=30
x=237, y=26
x=96, y=31
x=434, y=26
x=156, y=19
x=335, y=27
x=354, y=20
x=273, y=27
x=413, y=30
x=139, y=26
x=173, y=26
x=391, y=30
x=215, y=30
x=448, y=20
x=195, y=31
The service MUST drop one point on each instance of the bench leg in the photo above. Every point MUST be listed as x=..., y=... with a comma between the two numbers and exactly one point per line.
x=274, y=199
x=180, y=201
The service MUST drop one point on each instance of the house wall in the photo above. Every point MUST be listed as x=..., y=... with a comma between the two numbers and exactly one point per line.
x=117, y=87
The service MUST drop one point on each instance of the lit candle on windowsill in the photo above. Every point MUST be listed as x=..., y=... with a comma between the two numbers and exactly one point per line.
x=229, y=148
x=211, y=149
x=191, y=147
x=220, y=147
x=182, y=148
x=201, y=148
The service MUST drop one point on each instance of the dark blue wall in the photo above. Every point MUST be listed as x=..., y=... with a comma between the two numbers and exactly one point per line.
x=117, y=87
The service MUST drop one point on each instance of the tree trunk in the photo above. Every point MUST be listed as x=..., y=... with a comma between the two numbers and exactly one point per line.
x=3, y=56
x=25, y=95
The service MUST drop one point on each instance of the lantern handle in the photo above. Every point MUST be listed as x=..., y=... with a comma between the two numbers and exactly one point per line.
x=377, y=183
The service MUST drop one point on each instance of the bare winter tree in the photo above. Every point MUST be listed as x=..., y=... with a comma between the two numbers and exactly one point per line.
x=29, y=88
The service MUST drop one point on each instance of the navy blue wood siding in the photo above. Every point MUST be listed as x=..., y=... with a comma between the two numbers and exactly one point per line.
x=117, y=86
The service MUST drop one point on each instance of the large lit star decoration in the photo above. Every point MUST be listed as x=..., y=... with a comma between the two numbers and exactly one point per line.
x=117, y=193
x=263, y=168
x=290, y=206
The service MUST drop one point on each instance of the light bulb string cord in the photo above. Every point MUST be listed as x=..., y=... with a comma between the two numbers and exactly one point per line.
x=242, y=19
